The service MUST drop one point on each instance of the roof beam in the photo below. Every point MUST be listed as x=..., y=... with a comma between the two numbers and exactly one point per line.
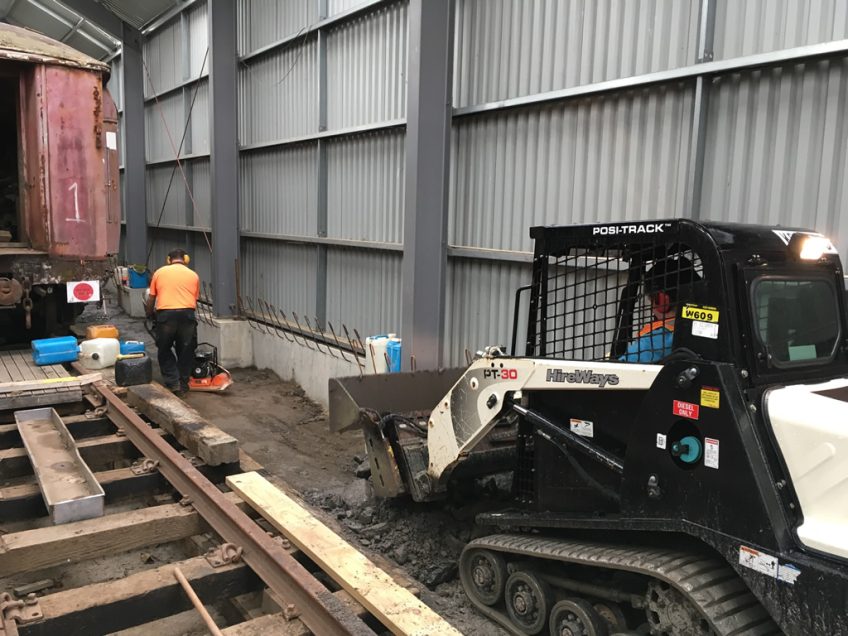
x=98, y=14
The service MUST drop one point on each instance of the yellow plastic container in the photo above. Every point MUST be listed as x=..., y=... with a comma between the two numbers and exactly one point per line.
x=101, y=331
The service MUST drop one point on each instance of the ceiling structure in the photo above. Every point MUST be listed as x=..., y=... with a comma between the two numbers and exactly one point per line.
x=90, y=26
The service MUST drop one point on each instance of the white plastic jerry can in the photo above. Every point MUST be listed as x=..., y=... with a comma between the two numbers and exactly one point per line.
x=99, y=353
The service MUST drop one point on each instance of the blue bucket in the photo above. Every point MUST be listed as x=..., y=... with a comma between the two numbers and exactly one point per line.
x=137, y=279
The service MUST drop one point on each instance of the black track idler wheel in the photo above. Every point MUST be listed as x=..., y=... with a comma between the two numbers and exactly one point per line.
x=483, y=574
x=528, y=601
x=576, y=617
x=612, y=615
x=669, y=612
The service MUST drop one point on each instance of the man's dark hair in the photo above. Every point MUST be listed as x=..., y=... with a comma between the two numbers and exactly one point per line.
x=671, y=275
x=177, y=255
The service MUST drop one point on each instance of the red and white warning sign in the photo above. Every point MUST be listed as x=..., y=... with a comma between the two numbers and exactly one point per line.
x=84, y=291
x=685, y=409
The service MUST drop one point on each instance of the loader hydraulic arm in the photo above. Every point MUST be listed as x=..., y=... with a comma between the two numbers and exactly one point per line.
x=483, y=394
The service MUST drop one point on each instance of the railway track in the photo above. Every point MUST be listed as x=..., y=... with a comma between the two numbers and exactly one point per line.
x=165, y=510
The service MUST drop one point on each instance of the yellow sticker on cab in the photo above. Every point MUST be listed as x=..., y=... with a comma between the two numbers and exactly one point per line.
x=696, y=312
x=710, y=397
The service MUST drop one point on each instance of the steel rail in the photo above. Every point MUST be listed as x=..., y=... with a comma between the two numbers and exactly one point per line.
x=319, y=609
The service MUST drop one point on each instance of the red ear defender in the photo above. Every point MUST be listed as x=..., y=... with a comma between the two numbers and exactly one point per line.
x=662, y=301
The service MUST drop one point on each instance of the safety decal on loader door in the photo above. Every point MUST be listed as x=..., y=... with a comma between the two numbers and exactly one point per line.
x=767, y=564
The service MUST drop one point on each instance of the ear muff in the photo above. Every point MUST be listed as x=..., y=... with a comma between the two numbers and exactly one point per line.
x=186, y=260
x=663, y=302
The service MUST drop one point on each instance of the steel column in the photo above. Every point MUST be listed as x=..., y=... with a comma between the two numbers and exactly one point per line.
x=428, y=115
x=135, y=190
x=223, y=117
x=321, y=200
x=700, y=111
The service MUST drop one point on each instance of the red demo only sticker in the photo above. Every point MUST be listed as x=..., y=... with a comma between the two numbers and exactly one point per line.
x=685, y=409
x=85, y=291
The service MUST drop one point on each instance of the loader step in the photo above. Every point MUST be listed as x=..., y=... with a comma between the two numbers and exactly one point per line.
x=709, y=584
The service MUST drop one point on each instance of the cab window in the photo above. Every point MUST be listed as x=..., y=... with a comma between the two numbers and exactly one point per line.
x=796, y=320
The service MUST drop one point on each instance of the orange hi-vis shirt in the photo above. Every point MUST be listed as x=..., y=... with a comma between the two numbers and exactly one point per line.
x=175, y=287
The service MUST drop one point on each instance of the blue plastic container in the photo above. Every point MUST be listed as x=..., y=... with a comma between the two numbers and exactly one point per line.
x=55, y=350
x=393, y=349
x=131, y=346
x=137, y=279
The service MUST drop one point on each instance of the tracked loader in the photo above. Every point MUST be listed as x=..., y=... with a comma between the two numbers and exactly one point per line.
x=676, y=427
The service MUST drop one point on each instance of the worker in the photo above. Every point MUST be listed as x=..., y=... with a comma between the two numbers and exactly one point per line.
x=174, y=291
x=663, y=283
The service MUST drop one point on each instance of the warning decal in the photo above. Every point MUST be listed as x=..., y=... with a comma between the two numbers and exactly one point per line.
x=769, y=565
x=685, y=409
x=582, y=427
x=704, y=314
x=710, y=397
x=710, y=452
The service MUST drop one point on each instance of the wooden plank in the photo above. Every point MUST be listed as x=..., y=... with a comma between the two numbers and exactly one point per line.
x=201, y=438
x=31, y=400
x=32, y=550
x=397, y=608
x=110, y=606
x=270, y=625
x=49, y=384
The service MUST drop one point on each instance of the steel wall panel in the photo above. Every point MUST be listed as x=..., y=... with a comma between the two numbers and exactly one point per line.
x=366, y=68
x=280, y=273
x=363, y=290
x=511, y=48
x=201, y=189
x=199, y=121
x=163, y=126
x=366, y=180
x=115, y=83
x=263, y=22
x=759, y=26
x=278, y=190
x=776, y=148
x=479, y=305
x=162, y=54
x=198, y=37
x=201, y=259
x=335, y=7
x=173, y=209
x=599, y=159
x=278, y=94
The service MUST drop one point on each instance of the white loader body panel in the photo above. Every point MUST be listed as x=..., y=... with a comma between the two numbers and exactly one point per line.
x=472, y=406
x=812, y=432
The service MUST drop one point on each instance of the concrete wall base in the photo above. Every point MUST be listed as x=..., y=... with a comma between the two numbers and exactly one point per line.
x=232, y=337
x=309, y=368
x=131, y=301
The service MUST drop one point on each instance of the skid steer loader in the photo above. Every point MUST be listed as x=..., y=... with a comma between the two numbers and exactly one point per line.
x=676, y=428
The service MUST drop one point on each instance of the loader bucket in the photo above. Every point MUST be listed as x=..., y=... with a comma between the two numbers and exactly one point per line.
x=362, y=400
x=415, y=392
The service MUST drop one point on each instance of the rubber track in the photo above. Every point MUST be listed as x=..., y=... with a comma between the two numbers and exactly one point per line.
x=709, y=583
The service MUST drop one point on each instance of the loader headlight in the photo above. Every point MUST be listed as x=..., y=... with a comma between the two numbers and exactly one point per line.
x=809, y=247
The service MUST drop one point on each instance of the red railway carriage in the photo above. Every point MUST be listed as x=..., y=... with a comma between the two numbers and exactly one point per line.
x=60, y=213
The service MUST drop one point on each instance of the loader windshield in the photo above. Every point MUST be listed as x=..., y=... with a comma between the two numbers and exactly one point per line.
x=797, y=321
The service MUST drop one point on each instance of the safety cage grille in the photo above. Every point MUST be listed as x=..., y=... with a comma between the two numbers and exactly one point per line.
x=610, y=303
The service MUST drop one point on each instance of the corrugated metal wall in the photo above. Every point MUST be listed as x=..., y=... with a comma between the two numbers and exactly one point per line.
x=322, y=106
x=176, y=69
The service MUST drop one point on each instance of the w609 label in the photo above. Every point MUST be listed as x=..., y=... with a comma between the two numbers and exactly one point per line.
x=704, y=314
x=501, y=374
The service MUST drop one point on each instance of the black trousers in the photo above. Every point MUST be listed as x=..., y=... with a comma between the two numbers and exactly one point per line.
x=176, y=330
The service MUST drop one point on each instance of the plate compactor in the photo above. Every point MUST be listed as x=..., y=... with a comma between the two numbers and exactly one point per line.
x=676, y=430
x=207, y=374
